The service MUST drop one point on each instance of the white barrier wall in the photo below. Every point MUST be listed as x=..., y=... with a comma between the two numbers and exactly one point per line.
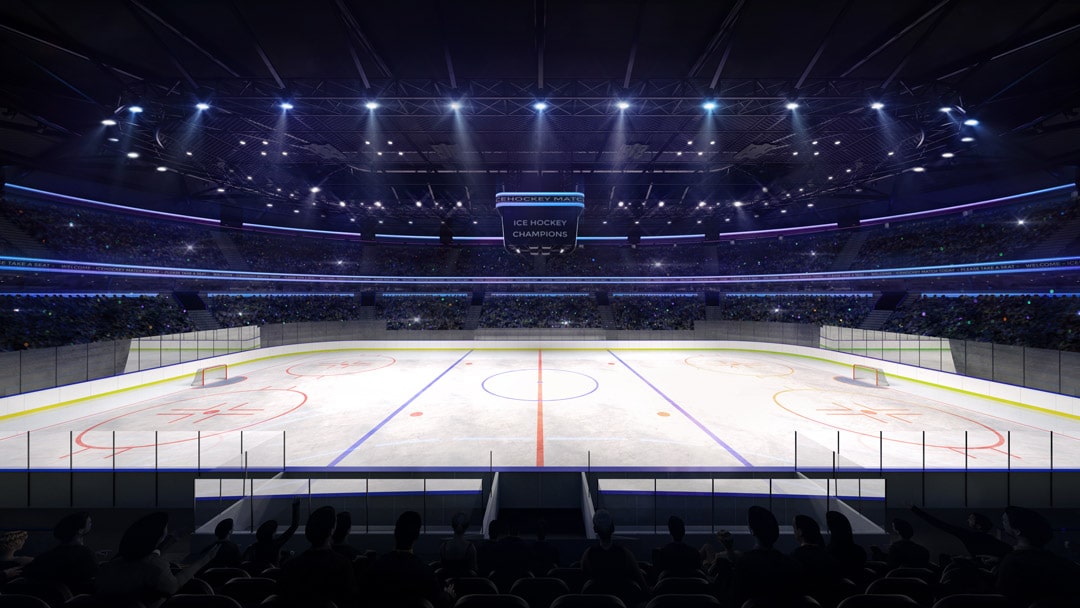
x=60, y=395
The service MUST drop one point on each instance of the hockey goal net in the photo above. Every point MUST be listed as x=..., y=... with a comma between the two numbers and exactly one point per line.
x=868, y=374
x=210, y=375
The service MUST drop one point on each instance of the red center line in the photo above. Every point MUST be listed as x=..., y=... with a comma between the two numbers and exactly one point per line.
x=539, y=408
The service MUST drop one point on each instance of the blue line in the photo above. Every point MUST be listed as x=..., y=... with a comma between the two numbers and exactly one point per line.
x=684, y=413
x=368, y=434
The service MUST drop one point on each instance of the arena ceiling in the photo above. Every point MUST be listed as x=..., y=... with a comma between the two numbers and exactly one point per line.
x=371, y=85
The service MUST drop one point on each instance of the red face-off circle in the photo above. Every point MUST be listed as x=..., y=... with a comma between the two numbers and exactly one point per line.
x=208, y=415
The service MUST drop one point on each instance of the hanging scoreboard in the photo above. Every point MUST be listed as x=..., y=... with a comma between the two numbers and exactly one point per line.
x=540, y=223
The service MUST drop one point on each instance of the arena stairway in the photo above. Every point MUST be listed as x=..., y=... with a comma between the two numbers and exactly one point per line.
x=22, y=243
x=1061, y=242
x=196, y=310
x=850, y=251
x=476, y=307
x=883, y=309
x=229, y=251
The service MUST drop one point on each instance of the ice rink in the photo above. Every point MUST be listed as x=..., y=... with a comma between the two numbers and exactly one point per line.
x=602, y=408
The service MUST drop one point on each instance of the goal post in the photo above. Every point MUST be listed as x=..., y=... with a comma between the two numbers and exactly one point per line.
x=868, y=374
x=210, y=375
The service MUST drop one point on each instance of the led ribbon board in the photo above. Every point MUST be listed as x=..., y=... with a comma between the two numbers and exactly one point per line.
x=540, y=223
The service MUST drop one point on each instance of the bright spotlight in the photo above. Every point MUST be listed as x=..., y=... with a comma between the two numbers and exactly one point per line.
x=371, y=105
x=540, y=106
x=918, y=169
x=947, y=155
x=202, y=106
x=314, y=189
x=709, y=105
x=971, y=122
x=108, y=122
x=162, y=168
x=622, y=105
x=455, y=105
x=133, y=155
x=791, y=105
x=967, y=139
x=286, y=105
x=135, y=109
x=419, y=204
x=877, y=105
x=945, y=109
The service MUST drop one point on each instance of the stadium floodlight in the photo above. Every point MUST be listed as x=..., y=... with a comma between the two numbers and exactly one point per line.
x=709, y=105
x=202, y=106
x=540, y=106
x=371, y=105
x=877, y=105
x=135, y=109
x=286, y=105
x=455, y=105
x=108, y=122
x=971, y=122
x=791, y=105
x=622, y=105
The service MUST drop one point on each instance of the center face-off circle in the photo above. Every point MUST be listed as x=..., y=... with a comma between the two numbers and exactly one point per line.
x=341, y=367
x=738, y=367
x=558, y=385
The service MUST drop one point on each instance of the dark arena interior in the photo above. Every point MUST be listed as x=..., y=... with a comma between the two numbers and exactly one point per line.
x=539, y=303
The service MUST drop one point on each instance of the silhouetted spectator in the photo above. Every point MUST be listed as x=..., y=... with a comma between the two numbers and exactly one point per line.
x=1031, y=572
x=903, y=552
x=606, y=559
x=340, y=539
x=71, y=562
x=266, y=550
x=512, y=556
x=319, y=575
x=400, y=575
x=677, y=558
x=850, y=557
x=978, y=538
x=763, y=572
x=458, y=555
x=818, y=572
x=228, y=552
x=139, y=573
x=486, y=551
x=545, y=555
x=11, y=566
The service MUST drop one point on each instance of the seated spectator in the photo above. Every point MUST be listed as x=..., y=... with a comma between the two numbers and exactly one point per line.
x=978, y=537
x=677, y=558
x=607, y=559
x=340, y=540
x=545, y=555
x=228, y=553
x=400, y=575
x=850, y=557
x=486, y=552
x=71, y=562
x=512, y=557
x=763, y=573
x=1031, y=572
x=139, y=573
x=319, y=576
x=818, y=572
x=458, y=555
x=903, y=552
x=11, y=566
x=265, y=552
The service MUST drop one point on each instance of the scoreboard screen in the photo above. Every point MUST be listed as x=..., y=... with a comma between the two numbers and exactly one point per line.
x=540, y=223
